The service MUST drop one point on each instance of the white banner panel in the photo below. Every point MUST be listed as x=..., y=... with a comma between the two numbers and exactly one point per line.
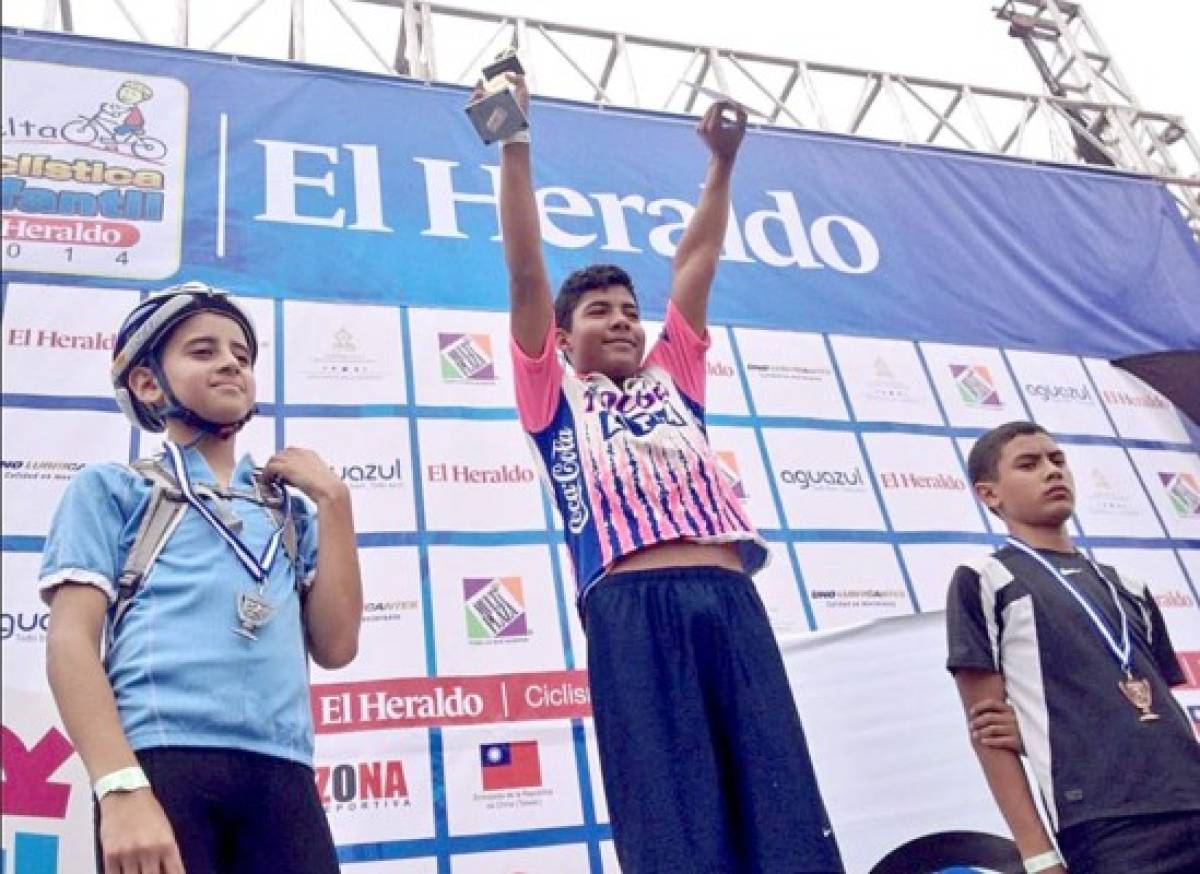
x=342, y=354
x=1173, y=480
x=511, y=777
x=478, y=476
x=931, y=566
x=58, y=340
x=494, y=610
x=1059, y=393
x=373, y=457
x=1109, y=499
x=541, y=860
x=822, y=479
x=377, y=792
x=391, y=642
x=1138, y=411
x=460, y=358
x=885, y=381
x=43, y=450
x=848, y=583
x=790, y=374
x=923, y=483
x=973, y=384
x=23, y=624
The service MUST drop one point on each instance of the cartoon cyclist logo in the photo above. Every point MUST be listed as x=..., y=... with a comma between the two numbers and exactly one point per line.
x=117, y=124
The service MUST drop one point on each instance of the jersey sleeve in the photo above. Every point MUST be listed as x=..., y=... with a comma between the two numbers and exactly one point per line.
x=538, y=383
x=971, y=640
x=84, y=541
x=680, y=351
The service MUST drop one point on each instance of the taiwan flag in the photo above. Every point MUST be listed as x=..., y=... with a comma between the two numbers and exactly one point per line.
x=510, y=765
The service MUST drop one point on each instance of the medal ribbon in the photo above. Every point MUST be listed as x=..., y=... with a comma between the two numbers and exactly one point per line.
x=1121, y=651
x=257, y=567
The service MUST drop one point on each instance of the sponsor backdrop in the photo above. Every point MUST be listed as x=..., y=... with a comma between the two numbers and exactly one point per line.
x=356, y=216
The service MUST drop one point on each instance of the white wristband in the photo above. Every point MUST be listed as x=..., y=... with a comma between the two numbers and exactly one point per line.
x=1044, y=862
x=124, y=780
x=521, y=136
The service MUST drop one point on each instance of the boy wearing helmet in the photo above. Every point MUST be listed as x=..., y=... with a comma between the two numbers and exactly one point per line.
x=196, y=728
x=703, y=756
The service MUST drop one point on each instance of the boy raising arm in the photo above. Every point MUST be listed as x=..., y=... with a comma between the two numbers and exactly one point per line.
x=682, y=662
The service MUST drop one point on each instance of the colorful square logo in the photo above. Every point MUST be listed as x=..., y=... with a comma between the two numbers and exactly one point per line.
x=466, y=357
x=511, y=765
x=1184, y=491
x=976, y=386
x=495, y=608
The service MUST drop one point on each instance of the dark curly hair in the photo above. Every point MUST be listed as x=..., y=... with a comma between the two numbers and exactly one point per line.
x=582, y=281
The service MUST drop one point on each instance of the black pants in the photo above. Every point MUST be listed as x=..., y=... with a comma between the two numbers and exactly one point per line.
x=235, y=812
x=705, y=765
x=1166, y=843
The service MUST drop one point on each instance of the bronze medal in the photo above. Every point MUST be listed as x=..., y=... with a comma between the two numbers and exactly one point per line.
x=1140, y=696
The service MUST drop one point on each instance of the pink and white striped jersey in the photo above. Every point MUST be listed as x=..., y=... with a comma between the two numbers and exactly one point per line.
x=630, y=465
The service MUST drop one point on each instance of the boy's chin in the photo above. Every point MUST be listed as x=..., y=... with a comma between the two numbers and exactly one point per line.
x=1053, y=517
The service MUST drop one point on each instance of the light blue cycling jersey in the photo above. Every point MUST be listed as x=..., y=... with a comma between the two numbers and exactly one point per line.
x=180, y=674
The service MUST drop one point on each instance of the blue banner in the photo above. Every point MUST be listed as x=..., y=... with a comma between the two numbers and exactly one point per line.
x=324, y=184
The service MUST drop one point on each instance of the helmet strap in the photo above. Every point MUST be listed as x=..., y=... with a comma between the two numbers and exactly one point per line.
x=173, y=409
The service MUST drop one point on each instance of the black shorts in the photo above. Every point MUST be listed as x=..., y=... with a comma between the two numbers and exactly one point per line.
x=704, y=761
x=1161, y=843
x=236, y=812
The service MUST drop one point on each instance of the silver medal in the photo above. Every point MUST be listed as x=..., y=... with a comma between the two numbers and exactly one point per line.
x=254, y=611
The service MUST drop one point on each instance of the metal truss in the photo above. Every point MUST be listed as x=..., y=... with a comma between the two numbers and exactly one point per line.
x=1089, y=114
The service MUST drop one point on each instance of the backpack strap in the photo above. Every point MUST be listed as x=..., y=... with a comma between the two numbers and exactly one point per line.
x=164, y=512
x=271, y=497
x=166, y=509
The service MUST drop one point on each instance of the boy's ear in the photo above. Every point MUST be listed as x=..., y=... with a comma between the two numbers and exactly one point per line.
x=562, y=342
x=986, y=492
x=144, y=386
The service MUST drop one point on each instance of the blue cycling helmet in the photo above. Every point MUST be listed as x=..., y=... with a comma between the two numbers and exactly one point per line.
x=140, y=341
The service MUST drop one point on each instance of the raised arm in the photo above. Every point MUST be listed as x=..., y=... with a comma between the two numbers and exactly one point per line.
x=1003, y=771
x=531, y=303
x=695, y=262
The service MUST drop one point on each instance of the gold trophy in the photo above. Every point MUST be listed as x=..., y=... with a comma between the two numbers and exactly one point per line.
x=496, y=115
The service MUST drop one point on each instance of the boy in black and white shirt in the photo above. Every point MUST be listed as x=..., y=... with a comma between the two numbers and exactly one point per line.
x=1083, y=655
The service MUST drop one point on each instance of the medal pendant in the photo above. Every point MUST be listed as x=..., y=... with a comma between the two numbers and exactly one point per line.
x=1139, y=695
x=253, y=612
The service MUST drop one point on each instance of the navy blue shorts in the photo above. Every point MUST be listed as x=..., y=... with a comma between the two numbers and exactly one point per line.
x=1163, y=843
x=704, y=760
x=236, y=812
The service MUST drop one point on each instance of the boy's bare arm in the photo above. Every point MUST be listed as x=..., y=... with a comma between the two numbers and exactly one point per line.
x=994, y=724
x=133, y=828
x=695, y=262
x=333, y=608
x=1003, y=771
x=531, y=301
